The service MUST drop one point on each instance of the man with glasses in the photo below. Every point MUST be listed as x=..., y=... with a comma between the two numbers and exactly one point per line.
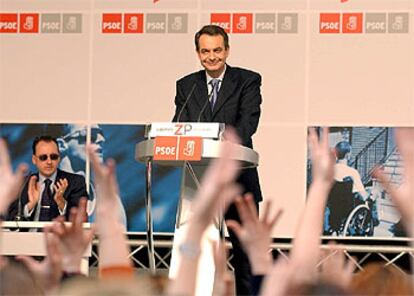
x=72, y=145
x=50, y=192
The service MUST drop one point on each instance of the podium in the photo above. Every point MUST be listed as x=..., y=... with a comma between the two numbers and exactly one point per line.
x=190, y=146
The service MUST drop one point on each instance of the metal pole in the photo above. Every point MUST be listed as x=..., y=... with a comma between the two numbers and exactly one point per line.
x=150, y=236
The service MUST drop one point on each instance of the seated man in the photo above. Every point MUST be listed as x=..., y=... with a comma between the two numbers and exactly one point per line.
x=50, y=192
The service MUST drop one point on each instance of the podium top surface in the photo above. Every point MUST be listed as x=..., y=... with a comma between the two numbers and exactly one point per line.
x=210, y=149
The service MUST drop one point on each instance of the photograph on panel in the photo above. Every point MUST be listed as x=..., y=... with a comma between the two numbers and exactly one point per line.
x=357, y=204
x=112, y=141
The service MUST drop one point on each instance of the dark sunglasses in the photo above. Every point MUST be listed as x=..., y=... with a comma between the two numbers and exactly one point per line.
x=80, y=135
x=52, y=156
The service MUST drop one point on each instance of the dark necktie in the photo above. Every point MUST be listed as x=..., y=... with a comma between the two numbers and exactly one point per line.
x=46, y=202
x=214, y=83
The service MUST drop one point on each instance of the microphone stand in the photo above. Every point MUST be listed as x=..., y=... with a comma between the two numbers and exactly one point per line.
x=204, y=106
x=186, y=101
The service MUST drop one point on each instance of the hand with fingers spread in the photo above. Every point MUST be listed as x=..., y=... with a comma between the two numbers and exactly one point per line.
x=73, y=239
x=60, y=188
x=10, y=183
x=335, y=269
x=254, y=233
x=403, y=196
x=49, y=271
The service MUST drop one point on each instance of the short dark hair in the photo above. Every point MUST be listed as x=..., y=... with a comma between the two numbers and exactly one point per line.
x=44, y=138
x=211, y=30
x=342, y=148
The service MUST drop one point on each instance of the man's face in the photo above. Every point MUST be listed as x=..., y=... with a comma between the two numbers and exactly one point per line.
x=212, y=54
x=76, y=141
x=46, y=158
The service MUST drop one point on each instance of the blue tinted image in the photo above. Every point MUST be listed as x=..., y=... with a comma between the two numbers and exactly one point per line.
x=112, y=141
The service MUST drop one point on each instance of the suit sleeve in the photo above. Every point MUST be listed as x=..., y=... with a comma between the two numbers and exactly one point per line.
x=77, y=191
x=179, y=103
x=249, y=109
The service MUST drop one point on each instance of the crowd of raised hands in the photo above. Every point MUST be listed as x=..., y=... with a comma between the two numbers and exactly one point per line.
x=308, y=269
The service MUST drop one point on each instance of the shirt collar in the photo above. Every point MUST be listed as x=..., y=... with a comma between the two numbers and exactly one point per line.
x=51, y=178
x=220, y=78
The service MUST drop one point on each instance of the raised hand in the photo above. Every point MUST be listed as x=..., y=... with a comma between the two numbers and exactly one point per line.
x=10, y=183
x=218, y=188
x=105, y=182
x=73, y=239
x=254, y=233
x=322, y=157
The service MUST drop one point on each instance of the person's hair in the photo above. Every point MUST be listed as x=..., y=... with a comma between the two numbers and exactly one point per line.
x=341, y=149
x=377, y=279
x=17, y=279
x=320, y=288
x=144, y=283
x=211, y=30
x=43, y=138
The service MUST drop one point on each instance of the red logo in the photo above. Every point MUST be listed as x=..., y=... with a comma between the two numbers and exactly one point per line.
x=112, y=23
x=165, y=148
x=329, y=22
x=242, y=23
x=190, y=148
x=29, y=23
x=8, y=22
x=221, y=19
x=352, y=23
x=134, y=23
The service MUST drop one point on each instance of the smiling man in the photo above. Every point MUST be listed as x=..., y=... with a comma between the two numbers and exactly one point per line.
x=229, y=95
x=50, y=192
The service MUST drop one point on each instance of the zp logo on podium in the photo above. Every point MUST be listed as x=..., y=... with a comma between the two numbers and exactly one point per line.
x=177, y=148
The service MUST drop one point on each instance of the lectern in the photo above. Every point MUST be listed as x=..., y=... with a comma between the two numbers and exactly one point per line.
x=188, y=145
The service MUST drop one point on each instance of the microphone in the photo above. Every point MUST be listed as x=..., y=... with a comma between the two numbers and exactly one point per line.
x=186, y=101
x=204, y=106
x=18, y=216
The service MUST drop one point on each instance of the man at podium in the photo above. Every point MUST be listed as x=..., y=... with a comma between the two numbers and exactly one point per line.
x=229, y=95
x=50, y=192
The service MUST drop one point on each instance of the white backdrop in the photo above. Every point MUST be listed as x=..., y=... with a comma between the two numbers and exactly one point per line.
x=68, y=70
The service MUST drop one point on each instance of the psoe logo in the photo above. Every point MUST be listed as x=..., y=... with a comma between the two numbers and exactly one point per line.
x=8, y=22
x=242, y=23
x=352, y=22
x=329, y=23
x=111, y=23
x=29, y=23
x=221, y=19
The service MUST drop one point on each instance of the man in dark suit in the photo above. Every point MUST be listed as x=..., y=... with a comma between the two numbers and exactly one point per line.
x=50, y=192
x=229, y=95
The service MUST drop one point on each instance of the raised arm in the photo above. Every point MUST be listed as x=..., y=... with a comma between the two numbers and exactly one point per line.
x=113, y=248
x=306, y=245
x=216, y=192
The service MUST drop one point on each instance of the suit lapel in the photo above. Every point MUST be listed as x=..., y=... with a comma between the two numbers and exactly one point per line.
x=227, y=88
